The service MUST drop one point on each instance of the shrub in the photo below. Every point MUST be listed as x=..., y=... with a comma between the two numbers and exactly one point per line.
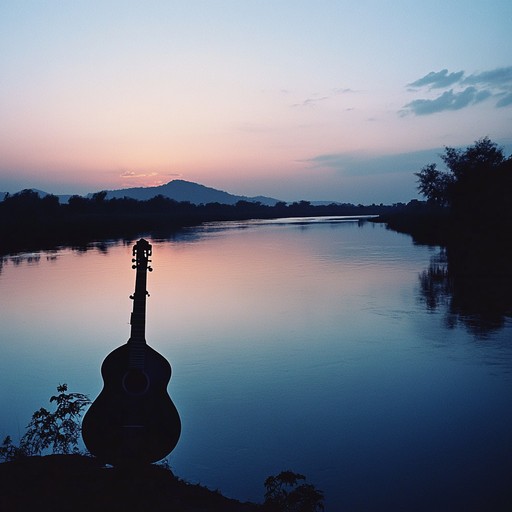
x=285, y=493
x=58, y=431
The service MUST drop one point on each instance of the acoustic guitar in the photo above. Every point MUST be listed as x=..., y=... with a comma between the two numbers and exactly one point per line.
x=133, y=420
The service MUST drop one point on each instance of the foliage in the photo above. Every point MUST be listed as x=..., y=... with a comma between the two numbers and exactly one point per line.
x=30, y=222
x=285, y=493
x=477, y=177
x=58, y=430
x=434, y=184
x=9, y=451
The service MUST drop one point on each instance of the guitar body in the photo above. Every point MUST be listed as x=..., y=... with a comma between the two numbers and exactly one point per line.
x=133, y=420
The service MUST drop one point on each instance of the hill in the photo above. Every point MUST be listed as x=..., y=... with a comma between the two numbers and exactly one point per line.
x=181, y=190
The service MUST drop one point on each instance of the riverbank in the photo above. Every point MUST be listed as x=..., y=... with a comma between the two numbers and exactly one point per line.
x=438, y=226
x=31, y=223
x=79, y=483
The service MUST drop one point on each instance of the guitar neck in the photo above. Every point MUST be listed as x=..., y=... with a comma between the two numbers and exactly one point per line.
x=138, y=317
x=138, y=321
x=137, y=341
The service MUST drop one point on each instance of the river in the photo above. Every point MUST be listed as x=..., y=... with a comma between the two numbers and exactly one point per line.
x=313, y=345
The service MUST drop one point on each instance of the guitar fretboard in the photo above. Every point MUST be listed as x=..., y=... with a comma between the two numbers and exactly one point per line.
x=136, y=354
x=137, y=341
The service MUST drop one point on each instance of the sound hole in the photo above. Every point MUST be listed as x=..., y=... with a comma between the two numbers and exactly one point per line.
x=135, y=381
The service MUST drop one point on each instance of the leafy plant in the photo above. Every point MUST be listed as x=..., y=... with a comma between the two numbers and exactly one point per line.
x=285, y=493
x=479, y=175
x=9, y=451
x=58, y=431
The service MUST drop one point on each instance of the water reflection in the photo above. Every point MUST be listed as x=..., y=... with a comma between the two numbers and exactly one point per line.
x=186, y=234
x=473, y=283
x=34, y=258
x=292, y=348
x=470, y=282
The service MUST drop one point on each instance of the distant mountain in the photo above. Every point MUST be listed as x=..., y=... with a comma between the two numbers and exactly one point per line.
x=181, y=190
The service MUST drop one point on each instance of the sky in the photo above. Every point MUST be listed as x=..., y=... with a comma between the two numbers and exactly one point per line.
x=296, y=100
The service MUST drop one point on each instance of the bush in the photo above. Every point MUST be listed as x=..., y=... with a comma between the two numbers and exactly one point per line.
x=285, y=494
x=58, y=431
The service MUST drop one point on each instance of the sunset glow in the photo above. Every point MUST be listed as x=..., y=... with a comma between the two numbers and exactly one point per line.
x=330, y=100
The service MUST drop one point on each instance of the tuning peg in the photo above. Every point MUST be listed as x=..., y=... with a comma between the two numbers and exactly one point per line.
x=134, y=266
x=150, y=269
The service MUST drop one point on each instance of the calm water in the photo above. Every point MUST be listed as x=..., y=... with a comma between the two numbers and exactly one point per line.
x=295, y=344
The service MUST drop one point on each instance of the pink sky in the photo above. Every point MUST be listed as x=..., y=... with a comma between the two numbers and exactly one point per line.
x=294, y=100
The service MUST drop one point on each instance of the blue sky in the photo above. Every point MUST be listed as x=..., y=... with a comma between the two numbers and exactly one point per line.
x=316, y=100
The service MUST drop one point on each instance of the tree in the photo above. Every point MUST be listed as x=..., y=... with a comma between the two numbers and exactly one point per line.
x=99, y=197
x=471, y=179
x=484, y=155
x=434, y=184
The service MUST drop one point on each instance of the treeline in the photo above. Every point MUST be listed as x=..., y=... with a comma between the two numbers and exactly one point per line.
x=469, y=201
x=468, y=214
x=31, y=222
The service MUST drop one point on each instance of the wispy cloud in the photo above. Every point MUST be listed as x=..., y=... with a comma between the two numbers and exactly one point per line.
x=147, y=174
x=362, y=164
x=449, y=100
x=505, y=100
x=317, y=98
x=438, y=79
x=464, y=92
x=311, y=101
x=137, y=175
x=147, y=178
x=494, y=78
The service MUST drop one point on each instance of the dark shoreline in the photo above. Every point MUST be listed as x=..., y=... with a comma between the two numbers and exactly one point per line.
x=30, y=223
x=80, y=483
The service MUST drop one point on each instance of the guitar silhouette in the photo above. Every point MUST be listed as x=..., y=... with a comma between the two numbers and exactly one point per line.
x=133, y=420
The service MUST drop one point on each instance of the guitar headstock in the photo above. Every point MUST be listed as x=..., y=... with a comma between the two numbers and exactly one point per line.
x=141, y=253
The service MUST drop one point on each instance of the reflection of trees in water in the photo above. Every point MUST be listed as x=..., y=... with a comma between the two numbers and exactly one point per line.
x=473, y=281
x=19, y=259
x=435, y=282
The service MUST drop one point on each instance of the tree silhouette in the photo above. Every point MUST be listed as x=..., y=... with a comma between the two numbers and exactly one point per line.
x=434, y=184
x=477, y=179
x=58, y=430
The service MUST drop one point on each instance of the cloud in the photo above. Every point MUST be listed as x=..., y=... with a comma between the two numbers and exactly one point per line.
x=496, y=78
x=316, y=98
x=438, y=80
x=135, y=175
x=465, y=90
x=344, y=90
x=310, y=101
x=449, y=100
x=148, y=179
x=145, y=174
x=505, y=101
x=362, y=164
